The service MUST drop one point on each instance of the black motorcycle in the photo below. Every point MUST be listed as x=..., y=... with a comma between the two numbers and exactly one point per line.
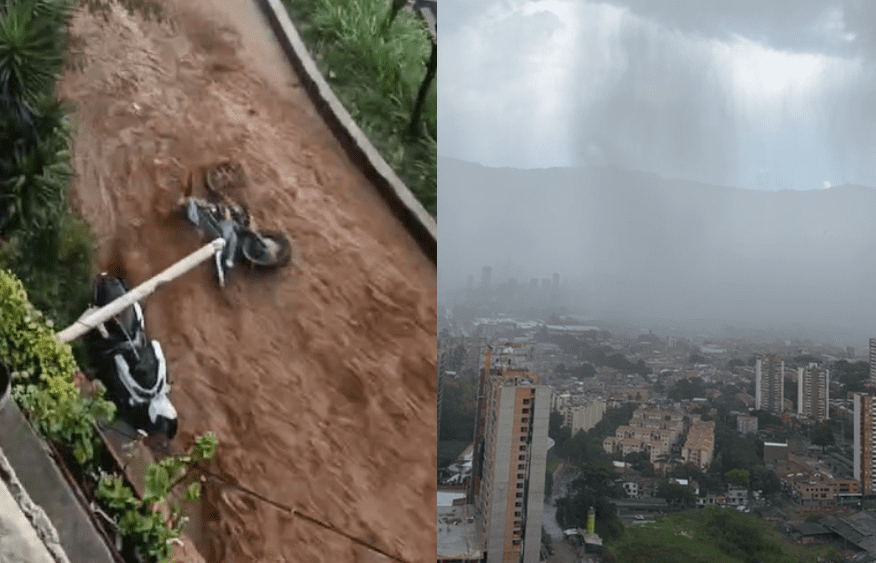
x=267, y=249
x=131, y=367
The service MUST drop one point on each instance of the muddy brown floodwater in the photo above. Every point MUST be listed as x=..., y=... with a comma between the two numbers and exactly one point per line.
x=318, y=379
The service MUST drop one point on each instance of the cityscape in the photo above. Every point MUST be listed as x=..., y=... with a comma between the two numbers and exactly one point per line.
x=556, y=434
x=656, y=323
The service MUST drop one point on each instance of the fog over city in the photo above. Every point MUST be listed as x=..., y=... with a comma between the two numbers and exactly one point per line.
x=675, y=161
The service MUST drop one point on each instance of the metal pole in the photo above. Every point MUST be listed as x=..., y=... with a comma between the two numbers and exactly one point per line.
x=92, y=318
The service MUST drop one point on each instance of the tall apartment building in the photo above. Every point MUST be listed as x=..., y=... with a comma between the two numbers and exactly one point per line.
x=511, y=438
x=769, y=383
x=813, y=392
x=865, y=441
x=873, y=362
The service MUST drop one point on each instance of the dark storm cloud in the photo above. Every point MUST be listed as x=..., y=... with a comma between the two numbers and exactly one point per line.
x=775, y=95
x=797, y=25
x=860, y=18
x=669, y=112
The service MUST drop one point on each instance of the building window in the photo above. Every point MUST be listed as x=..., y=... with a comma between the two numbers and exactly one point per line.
x=519, y=485
x=526, y=401
x=523, y=448
x=521, y=467
x=519, y=495
x=518, y=504
x=525, y=411
x=521, y=457
x=521, y=476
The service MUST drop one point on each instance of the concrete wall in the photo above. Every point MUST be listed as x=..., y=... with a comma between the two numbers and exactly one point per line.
x=537, y=467
x=504, y=424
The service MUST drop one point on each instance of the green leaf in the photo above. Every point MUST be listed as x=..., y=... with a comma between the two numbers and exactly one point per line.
x=193, y=492
x=144, y=524
x=157, y=482
x=205, y=446
x=80, y=454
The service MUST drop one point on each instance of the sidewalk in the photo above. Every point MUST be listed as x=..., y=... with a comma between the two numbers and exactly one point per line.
x=23, y=525
x=41, y=518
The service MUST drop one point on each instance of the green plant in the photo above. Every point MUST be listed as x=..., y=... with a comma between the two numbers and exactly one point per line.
x=43, y=369
x=33, y=140
x=148, y=531
x=40, y=241
x=56, y=266
x=31, y=49
x=376, y=72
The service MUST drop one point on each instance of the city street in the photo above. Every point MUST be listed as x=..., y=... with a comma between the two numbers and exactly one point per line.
x=564, y=475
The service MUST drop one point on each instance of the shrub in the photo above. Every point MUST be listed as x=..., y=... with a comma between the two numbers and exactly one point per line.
x=43, y=369
x=376, y=72
x=40, y=241
x=146, y=531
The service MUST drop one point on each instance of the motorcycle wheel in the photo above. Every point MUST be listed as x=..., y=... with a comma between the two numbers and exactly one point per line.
x=270, y=249
x=224, y=178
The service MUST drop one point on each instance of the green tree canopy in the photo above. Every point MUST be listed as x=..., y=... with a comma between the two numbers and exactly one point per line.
x=676, y=495
x=738, y=477
x=822, y=436
x=688, y=388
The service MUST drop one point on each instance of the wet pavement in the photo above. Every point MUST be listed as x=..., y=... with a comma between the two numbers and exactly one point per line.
x=564, y=476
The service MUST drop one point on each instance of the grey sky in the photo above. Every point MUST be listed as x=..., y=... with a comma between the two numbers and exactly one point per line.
x=755, y=94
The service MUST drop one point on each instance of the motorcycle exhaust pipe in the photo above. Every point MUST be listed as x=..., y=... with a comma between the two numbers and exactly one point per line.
x=92, y=318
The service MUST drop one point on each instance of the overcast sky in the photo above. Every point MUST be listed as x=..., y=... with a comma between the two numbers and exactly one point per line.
x=754, y=94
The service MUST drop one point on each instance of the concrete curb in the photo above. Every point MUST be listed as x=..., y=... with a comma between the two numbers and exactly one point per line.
x=34, y=514
x=74, y=531
x=404, y=205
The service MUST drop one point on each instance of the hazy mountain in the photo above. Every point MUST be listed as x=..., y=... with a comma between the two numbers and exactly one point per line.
x=667, y=249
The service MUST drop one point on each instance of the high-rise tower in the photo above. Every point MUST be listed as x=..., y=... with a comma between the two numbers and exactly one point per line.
x=864, y=442
x=508, y=479
x=769, y=383
x=873, y=362
x=813, y=392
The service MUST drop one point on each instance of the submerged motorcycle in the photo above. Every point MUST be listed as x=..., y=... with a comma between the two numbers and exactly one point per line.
x=131, y=367
x=267, y=249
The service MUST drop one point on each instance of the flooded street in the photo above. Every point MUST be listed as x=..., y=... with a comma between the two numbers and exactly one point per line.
x=564, y=476
x=319, y=378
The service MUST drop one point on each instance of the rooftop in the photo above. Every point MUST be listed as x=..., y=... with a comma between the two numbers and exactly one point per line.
x=446, y=498
x=459, y=533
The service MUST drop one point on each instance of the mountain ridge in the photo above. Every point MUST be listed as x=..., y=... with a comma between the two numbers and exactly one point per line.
x=664, y=247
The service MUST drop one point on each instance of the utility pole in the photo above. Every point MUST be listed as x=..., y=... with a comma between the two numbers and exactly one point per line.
x=92, y=318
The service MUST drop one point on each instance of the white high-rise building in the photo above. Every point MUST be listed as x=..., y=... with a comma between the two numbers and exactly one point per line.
x=873, y=362
x=813, y=392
